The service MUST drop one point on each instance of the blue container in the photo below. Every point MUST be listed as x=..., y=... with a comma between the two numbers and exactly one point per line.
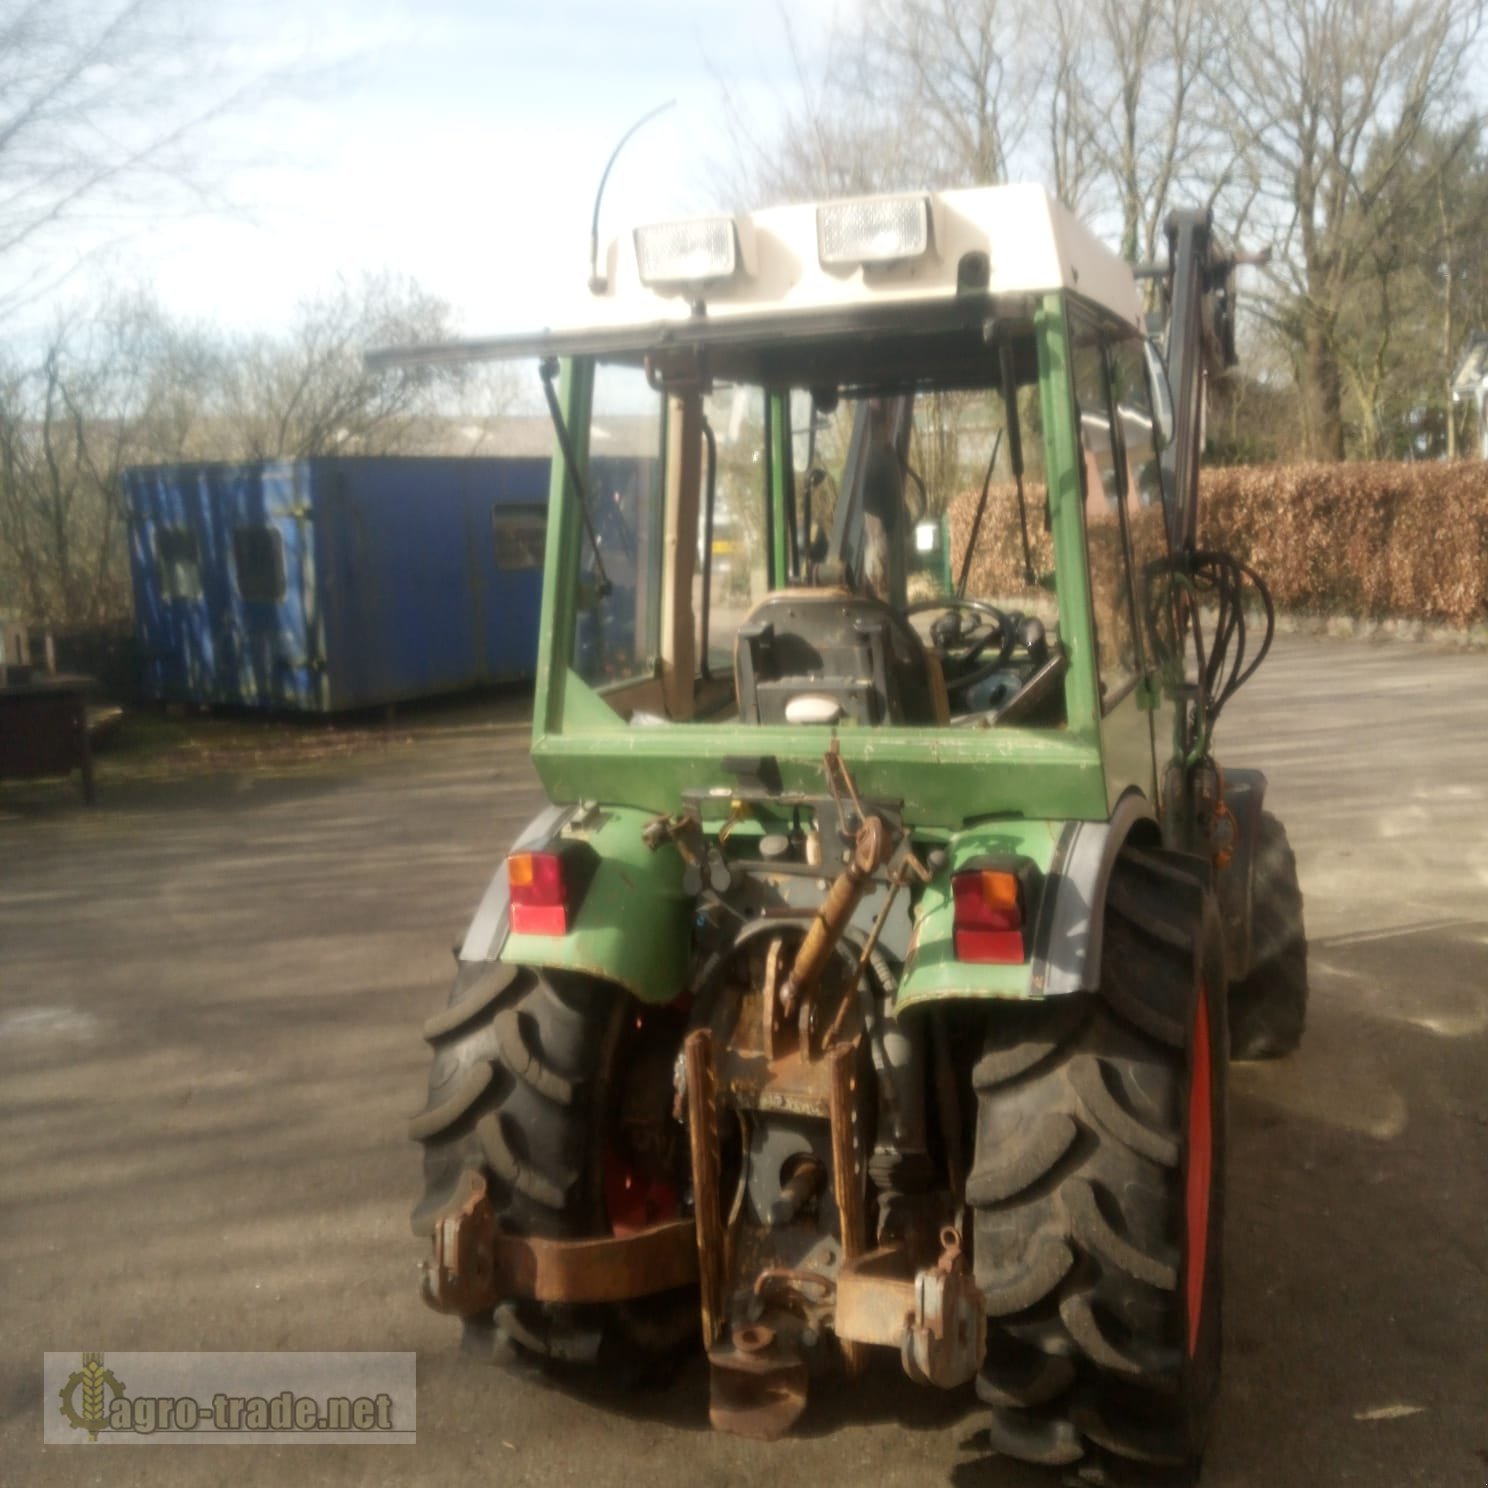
x=326, y=584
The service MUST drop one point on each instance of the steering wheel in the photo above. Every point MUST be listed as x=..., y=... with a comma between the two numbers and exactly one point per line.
x=961, y=643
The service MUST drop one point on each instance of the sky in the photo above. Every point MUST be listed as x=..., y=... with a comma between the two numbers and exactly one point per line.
x=454, y=141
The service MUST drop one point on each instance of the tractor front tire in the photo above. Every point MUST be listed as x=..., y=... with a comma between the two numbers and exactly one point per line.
x=1268, y=1010
x=526, y=1087
x=1098, y=1196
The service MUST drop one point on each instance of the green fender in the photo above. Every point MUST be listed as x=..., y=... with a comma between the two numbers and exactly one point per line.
x=1074, y=862
x=632, y=923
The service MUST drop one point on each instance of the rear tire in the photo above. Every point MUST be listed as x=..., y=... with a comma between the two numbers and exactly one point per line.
x=526, y=1087
x=1098, y=1190
x=1268, y=1010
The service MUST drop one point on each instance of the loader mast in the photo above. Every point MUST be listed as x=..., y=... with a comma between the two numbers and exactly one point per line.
x=1198, y=314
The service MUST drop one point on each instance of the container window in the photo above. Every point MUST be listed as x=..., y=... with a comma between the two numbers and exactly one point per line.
x=520, y=532
x=258, y=556
x=178, y=563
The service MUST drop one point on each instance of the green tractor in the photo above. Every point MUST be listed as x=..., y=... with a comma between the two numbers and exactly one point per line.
x=872, y=978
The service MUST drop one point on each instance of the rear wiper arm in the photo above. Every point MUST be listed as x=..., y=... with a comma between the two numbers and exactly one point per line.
x=549, y=370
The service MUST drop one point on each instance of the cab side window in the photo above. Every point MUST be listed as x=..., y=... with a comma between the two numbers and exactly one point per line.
x=1141, y=474
x=1105, y=486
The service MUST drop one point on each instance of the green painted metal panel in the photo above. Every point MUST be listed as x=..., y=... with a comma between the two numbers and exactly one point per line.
x=1126, y=748
x=632, y=926
x=1007, y=790
x=944, y=777
x=1067, y=516
x=561, y=573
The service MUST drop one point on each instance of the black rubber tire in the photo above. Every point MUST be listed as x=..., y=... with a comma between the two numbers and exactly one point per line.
x=1080, y=1199
x=1268, y=1010
x=523, y=1088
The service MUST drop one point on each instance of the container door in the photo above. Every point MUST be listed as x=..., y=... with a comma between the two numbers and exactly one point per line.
x=172, y=563
x=174, y=623
x=267, y=633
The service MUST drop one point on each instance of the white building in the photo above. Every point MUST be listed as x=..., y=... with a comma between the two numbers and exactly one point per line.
x=1470, y=384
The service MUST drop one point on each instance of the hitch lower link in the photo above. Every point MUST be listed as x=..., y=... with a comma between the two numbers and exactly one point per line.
x=475, y=1266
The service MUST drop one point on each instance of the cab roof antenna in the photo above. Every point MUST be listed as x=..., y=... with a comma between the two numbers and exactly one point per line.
x=597, y=281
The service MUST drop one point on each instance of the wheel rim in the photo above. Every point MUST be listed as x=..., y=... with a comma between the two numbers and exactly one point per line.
x=1200, y=1169
x=639, y=1156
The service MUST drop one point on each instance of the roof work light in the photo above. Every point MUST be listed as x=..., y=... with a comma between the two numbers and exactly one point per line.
x=676, y=255
x=872, y=230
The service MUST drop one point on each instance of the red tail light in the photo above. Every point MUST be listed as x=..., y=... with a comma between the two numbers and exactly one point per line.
x=989, y=919
x=539, y=894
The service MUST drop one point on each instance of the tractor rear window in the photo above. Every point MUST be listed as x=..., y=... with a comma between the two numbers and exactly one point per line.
x=867, y=550
x=258, y=560
x=519, y=532
x=919, y=584
x=178, y=563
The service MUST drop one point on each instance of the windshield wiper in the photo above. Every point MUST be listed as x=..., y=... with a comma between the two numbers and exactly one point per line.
x=548, y=367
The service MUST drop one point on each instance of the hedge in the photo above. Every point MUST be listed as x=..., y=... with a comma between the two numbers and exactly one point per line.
x=1364, y=540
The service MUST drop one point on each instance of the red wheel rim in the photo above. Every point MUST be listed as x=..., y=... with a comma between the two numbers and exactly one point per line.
x=638, y=1188
x=1200, y=1169
x=635, y=1199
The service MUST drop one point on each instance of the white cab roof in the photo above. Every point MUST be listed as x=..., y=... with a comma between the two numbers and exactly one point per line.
x=1033, y=245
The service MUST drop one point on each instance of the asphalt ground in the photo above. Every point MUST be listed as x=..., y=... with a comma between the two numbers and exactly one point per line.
x=210, y=996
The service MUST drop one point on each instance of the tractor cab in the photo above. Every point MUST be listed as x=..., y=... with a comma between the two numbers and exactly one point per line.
x=884, y=466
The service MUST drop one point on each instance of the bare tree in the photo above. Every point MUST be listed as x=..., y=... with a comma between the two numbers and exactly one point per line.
x=827, y=137
x=902, y=96
x=1109, y=99
x=105, y=106
x=1156, y=139
x=110, y=389
x=953, y=76
x=1299, y=121
x=1318, y=89
x=1071, y=116
x=1421, y=280
x=308, y=392
x=124, y=385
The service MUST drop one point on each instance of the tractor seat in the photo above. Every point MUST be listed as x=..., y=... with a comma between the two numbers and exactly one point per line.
x=830, y=656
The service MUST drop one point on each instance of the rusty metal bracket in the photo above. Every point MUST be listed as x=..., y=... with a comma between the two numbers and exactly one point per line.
x=474, y=1265
x=707, y=1200
x=947, y=1337
x=934, y=1317
x=875, y=1298
x=757, y=1384
x=849, y=1179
